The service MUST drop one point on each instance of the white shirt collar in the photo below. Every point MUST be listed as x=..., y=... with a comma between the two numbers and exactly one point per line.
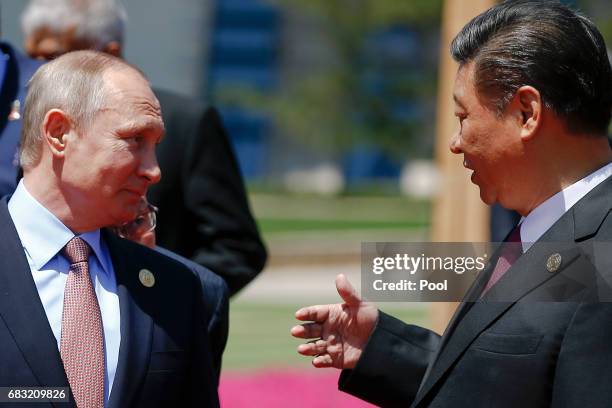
x=42, y=234
x=541, y=218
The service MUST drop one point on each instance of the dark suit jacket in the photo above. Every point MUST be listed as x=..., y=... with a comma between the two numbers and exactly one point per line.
x=19, y=69
x=216, y=306
x=163, y=357
x=204, y=213
x=536, y=339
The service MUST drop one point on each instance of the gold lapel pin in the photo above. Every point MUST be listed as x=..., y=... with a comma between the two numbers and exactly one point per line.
x=146, y=278
x=554, y=262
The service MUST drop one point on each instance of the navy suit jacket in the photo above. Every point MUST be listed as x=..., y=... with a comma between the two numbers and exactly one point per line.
x=538, y=338
x=164, y=356
x=19, y=70
x=215, y=298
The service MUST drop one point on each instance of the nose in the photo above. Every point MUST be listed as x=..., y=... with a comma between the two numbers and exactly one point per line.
x=454, y=144
x=149, y=168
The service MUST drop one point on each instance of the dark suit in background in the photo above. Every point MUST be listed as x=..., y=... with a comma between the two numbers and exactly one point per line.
x=163, y=357
x=19, y=70
x=204, y=212
x=519, y=347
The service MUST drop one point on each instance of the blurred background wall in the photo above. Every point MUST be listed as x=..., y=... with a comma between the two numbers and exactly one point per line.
x=359, y=84
x=167, y=39
x=316, y=99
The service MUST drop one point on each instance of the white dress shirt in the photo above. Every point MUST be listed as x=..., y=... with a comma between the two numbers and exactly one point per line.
x=541, y=218
x=43, y=237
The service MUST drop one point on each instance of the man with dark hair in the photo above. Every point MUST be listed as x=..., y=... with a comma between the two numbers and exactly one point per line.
x=533, y=97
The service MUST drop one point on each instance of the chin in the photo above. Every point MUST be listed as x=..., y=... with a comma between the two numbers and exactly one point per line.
x=124, y=216
x=486, y=197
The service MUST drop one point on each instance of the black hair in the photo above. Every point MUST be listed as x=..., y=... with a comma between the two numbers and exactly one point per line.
x=544, y=44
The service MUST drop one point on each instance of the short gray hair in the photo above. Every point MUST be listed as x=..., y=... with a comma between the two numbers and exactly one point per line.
x=73, y=83
x=97, y=22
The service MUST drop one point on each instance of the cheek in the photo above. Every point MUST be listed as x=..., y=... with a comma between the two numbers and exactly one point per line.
x=474, y=141
x=119, y=166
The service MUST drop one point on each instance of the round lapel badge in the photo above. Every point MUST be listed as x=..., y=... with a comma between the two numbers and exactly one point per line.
x=146, y=278
x=554, y=262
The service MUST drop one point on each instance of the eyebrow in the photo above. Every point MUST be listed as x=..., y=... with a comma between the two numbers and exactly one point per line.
x=143, y=127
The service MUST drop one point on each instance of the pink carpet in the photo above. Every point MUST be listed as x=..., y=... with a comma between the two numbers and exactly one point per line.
x=285, y=388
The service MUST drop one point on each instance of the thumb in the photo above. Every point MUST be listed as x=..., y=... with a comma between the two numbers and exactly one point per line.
x=346, y=291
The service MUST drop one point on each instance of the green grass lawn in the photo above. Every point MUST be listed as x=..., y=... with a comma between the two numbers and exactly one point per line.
x=259, y=334
x=288, y=213
x=272, y=225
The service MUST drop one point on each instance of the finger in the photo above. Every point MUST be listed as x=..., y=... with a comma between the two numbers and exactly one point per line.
x=323, y=361
x=346, y=291
x=313, y=348
x=313, y=313
x=307, y=331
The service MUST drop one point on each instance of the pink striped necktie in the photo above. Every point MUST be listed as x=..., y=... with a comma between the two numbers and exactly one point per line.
x=82, y=342
x=509, y=254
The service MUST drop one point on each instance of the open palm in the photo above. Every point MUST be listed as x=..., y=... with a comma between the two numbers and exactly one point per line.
x=341, y=330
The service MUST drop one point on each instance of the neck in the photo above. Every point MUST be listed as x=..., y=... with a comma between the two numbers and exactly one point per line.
x=49, y=195
x=559, y=168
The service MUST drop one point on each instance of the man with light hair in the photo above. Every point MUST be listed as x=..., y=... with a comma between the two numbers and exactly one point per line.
x=118, y=323
x=204, y=211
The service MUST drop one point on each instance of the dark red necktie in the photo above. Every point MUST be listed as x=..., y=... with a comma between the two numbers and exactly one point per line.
x=511, y=250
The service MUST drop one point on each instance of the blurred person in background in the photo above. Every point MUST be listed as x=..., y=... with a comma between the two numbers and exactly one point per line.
x=533, y=98
x=214, y=289
x=204, y=211
x=15, y=71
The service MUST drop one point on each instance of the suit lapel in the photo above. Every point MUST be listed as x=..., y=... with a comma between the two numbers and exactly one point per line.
x=22, y=310
x=527, y=273
x=530, y=269
x=136, y=326
x=466, y=304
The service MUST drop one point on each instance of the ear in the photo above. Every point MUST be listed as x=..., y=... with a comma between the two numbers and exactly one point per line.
x=528, y=103
x=56, y=125
x=113, y=48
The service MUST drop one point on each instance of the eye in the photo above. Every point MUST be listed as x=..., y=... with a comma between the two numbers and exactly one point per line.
x=461, y=117
x=134, y=139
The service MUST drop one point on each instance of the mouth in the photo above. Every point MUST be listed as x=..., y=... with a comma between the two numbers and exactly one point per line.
x=137, y=192
x=468, y=166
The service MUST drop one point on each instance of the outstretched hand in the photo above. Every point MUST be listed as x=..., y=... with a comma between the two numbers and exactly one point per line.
x=340, y=331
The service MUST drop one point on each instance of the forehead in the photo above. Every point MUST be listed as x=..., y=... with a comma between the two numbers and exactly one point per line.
x=130, y=95
x=463, y=89
x=128, y=86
